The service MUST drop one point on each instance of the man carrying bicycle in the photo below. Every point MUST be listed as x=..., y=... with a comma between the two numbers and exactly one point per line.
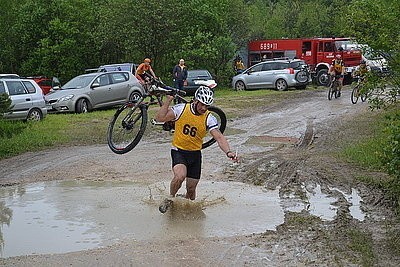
x=337, y=70
x=192, y=122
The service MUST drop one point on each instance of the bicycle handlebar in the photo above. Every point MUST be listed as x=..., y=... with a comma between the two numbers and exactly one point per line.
x=170, y=91
x=165, y=89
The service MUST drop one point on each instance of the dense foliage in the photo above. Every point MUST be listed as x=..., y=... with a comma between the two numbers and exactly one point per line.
x=63, y=38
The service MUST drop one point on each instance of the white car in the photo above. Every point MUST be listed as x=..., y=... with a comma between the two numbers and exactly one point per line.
x=27, y=101
x=94, y=90
x=279, y=74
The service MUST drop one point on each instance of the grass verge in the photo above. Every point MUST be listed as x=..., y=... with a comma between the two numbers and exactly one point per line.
x=17, y=137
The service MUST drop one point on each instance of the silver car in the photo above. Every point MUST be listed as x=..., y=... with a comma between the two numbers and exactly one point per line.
x=279, y=74
x=27, y=101
x=94, y=90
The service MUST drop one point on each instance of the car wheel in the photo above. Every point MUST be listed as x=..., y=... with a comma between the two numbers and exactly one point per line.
x=323, y=78
x=34, y=115
x=240, y=86
x=135, y=96
x=281, y=85
x=82, y=106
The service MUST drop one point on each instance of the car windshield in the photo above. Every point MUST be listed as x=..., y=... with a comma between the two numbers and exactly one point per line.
x=198, y=73
x=79, y=82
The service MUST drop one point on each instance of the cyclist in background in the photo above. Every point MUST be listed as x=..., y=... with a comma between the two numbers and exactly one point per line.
x=337, y=69
x=361, y=70
x=143, y=70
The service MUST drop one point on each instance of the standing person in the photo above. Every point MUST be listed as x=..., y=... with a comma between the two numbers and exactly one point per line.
x=337, y=69
x=239, y=66
x=192, y=121
x=180, y=74
x=144, y=69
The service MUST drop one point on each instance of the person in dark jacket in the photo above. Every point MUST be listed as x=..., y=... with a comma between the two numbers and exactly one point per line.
x=180, y=74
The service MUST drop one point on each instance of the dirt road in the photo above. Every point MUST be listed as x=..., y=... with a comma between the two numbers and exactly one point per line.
x=286, y=147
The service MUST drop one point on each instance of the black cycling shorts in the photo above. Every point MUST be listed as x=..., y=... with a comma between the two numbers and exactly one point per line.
x=191, y=159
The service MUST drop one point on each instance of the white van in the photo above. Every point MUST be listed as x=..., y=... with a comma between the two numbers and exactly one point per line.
x=375, y=62
x=26, y=96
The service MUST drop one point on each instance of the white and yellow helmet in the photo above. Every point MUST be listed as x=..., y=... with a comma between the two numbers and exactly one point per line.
x=204, y=95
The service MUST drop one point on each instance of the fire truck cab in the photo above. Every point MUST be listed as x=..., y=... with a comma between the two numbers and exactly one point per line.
x=318, y=53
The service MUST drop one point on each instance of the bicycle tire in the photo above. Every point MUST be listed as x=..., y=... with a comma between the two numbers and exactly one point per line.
x=221, y=117
x=330, y=93
x=335, y=89
x=363, y=97
x=122, y=137
x=354, y=95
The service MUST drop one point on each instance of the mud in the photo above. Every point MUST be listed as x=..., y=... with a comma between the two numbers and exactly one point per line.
x=287, y=146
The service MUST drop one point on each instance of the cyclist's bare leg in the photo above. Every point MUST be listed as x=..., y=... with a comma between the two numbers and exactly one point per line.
x=191, y=185
x=180, y=172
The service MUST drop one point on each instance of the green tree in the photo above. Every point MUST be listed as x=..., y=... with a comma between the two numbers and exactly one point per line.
x=296, y=19
x=375, y=22
x=8, y=56
x=56, y=37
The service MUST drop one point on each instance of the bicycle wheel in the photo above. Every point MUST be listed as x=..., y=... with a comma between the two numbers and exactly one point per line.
x=126, y=128
x=354, y=95
x=364, y=97
x=330, y=93
x=221, y=117
x=335, y=89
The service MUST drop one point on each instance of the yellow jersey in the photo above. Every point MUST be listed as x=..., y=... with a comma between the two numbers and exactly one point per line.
x=190, y=129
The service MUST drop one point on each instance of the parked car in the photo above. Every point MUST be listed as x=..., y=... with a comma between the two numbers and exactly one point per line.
x=45, y=83
x=279, y=74
x=94, y=90
x=26, y=96
x=196, y=76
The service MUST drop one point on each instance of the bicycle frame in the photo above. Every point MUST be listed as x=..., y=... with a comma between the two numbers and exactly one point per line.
x=128, y=124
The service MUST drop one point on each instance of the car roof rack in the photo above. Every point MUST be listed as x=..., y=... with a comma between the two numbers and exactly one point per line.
x=10, y=76
x=276, y=58
x=92, y=70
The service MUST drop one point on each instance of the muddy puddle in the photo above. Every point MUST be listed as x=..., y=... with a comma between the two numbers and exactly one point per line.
x=65, y=216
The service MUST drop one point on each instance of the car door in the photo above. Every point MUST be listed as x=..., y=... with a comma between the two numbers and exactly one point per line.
x=120, y=86
x=100, y=91
x=268, y=75
x=253, y=76
x=21, y=99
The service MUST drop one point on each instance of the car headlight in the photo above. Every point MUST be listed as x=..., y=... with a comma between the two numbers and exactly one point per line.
x=66, y=98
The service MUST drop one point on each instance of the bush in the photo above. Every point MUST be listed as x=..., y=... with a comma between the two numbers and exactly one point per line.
x=5, y=104
x=391, y=155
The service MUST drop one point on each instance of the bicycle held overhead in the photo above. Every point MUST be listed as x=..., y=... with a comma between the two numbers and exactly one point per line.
x=129, y=122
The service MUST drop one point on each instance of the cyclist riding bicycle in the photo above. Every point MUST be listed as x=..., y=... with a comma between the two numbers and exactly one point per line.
x=361, y=70
x=337, y=70
x=143, y=71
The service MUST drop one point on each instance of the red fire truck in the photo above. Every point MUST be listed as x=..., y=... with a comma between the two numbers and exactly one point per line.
x=318, y=53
